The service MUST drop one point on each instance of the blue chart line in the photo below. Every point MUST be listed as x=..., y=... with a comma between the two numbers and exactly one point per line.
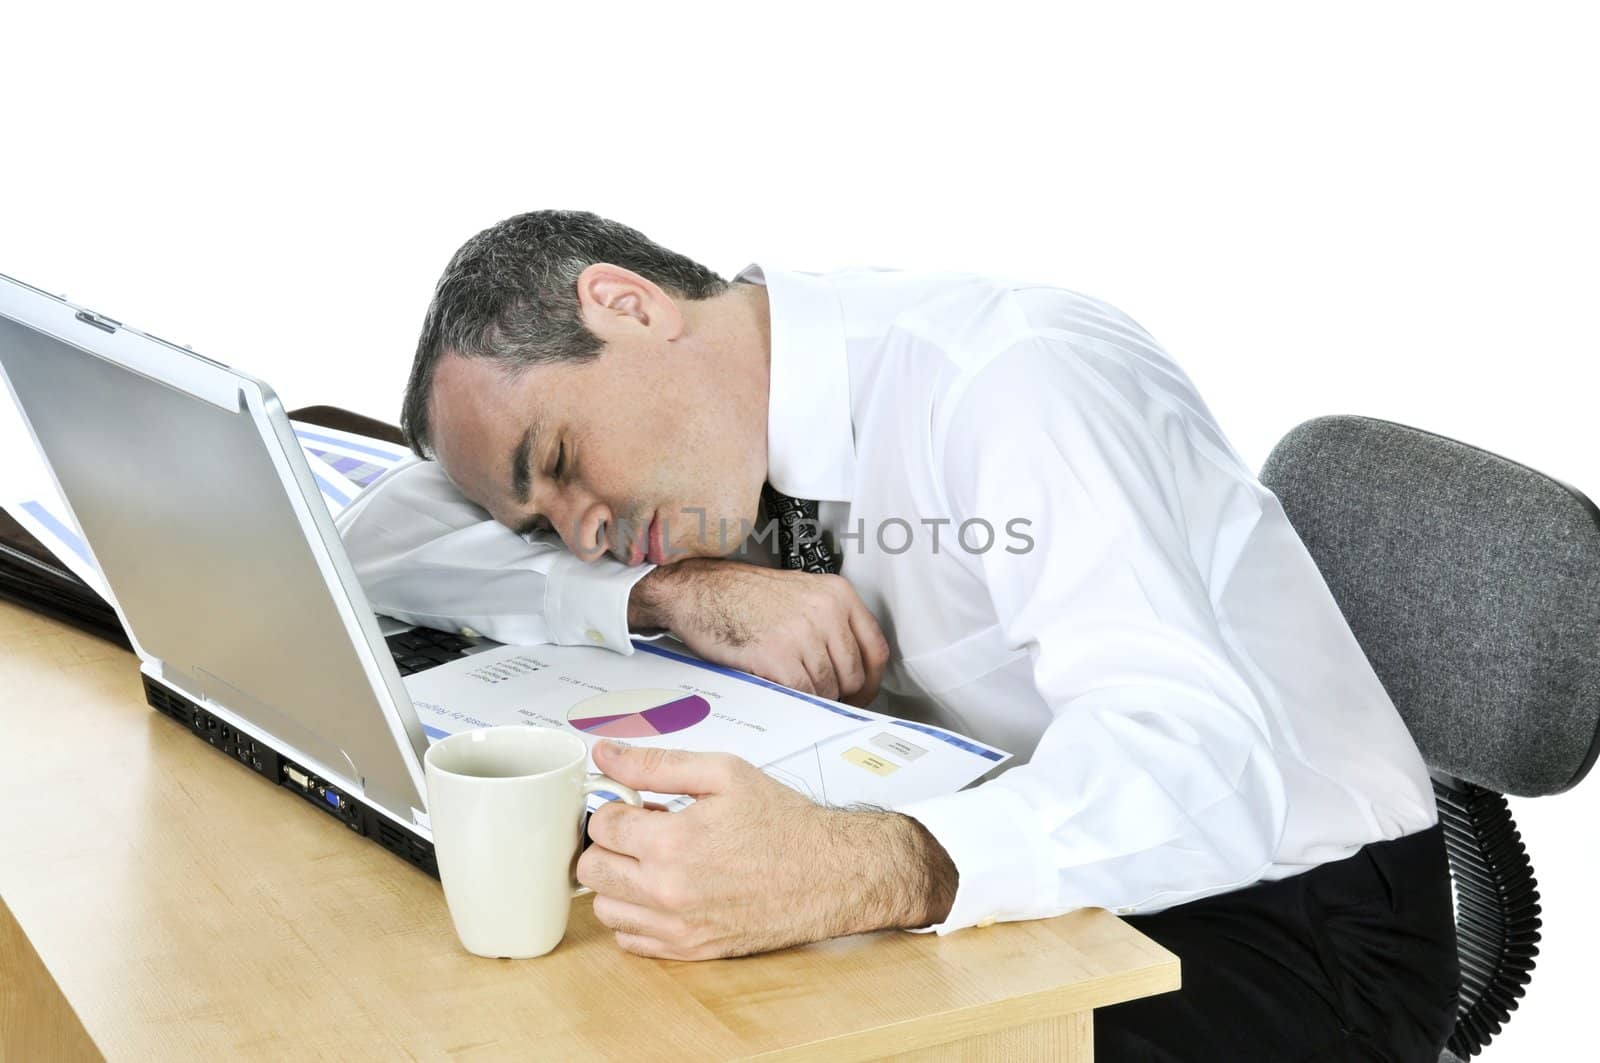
x=331, y=491
x=390, y=456
x=61, y=531
x=931, y=732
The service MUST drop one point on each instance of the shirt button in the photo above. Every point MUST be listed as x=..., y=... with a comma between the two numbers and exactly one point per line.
x=468, y=633
x=987, y=920
x=1122, y=911
x=596, y=637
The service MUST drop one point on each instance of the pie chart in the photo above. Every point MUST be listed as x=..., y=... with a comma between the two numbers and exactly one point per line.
x=638, y=713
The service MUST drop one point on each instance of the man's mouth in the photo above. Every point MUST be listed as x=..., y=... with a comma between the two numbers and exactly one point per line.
x=645, y=547
x=656, y=537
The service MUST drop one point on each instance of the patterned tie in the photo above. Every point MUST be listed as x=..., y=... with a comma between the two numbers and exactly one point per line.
x=801, y=544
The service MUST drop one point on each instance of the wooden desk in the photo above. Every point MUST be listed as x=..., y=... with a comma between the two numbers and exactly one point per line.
x=163, y=902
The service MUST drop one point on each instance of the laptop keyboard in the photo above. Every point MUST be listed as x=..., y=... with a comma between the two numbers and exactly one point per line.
x=422, y=648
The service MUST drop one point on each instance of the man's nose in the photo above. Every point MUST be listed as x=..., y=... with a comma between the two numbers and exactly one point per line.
x=581, y=520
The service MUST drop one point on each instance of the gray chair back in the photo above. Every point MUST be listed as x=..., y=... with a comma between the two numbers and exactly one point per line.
x=1473, y=585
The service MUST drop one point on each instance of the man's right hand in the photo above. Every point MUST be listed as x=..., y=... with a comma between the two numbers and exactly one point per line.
x=806, y=631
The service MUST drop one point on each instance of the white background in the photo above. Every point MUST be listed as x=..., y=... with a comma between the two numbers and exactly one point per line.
x=1380, y=208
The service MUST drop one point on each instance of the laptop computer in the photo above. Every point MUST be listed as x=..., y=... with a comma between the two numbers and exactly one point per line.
x=228, y=574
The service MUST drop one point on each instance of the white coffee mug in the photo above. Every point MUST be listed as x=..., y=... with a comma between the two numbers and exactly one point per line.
x=506, y=806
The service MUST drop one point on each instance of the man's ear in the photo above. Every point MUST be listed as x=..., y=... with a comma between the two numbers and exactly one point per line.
x=615, y=301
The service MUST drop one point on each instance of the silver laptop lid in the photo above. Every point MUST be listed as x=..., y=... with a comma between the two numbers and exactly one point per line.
x=197, y=505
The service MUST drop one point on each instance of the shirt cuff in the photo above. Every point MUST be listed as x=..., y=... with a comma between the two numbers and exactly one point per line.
x=586, y=604
x=1005, y=866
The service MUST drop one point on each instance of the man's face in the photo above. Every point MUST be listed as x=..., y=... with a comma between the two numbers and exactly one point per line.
x=617, y=453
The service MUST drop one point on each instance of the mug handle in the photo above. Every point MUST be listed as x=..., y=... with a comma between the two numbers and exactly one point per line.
x=610, y=785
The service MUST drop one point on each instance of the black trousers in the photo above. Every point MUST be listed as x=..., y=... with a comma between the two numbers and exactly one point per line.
x=1353, y=960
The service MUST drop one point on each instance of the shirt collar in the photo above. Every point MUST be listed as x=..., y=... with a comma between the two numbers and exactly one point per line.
x=811, y=447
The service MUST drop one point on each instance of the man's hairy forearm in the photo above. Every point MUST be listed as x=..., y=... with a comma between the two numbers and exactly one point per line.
x=721, y=599
x=649, y=604
x=895, y=873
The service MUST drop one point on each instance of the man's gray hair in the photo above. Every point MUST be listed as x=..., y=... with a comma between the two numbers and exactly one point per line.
x=510, y=294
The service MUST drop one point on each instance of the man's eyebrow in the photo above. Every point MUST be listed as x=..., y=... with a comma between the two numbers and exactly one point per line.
x=520, y=482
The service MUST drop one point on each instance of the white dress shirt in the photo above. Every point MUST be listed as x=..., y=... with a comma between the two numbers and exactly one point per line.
x=1139, y=624
x=425, y=554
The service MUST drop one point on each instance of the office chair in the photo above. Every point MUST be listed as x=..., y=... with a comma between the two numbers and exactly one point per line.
x=1473, y=585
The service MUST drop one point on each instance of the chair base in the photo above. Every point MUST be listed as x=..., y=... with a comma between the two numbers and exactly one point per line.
x=1497, y=909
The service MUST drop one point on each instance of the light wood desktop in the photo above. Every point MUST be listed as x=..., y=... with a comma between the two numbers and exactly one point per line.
x=163, y=902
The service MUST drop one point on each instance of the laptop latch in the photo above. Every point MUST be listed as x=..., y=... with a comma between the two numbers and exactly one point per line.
x=99, y=321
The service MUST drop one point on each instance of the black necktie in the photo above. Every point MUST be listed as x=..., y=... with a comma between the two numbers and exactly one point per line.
x=800, y=541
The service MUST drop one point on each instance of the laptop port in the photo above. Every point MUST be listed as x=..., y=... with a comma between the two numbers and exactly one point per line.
x=296, y=776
